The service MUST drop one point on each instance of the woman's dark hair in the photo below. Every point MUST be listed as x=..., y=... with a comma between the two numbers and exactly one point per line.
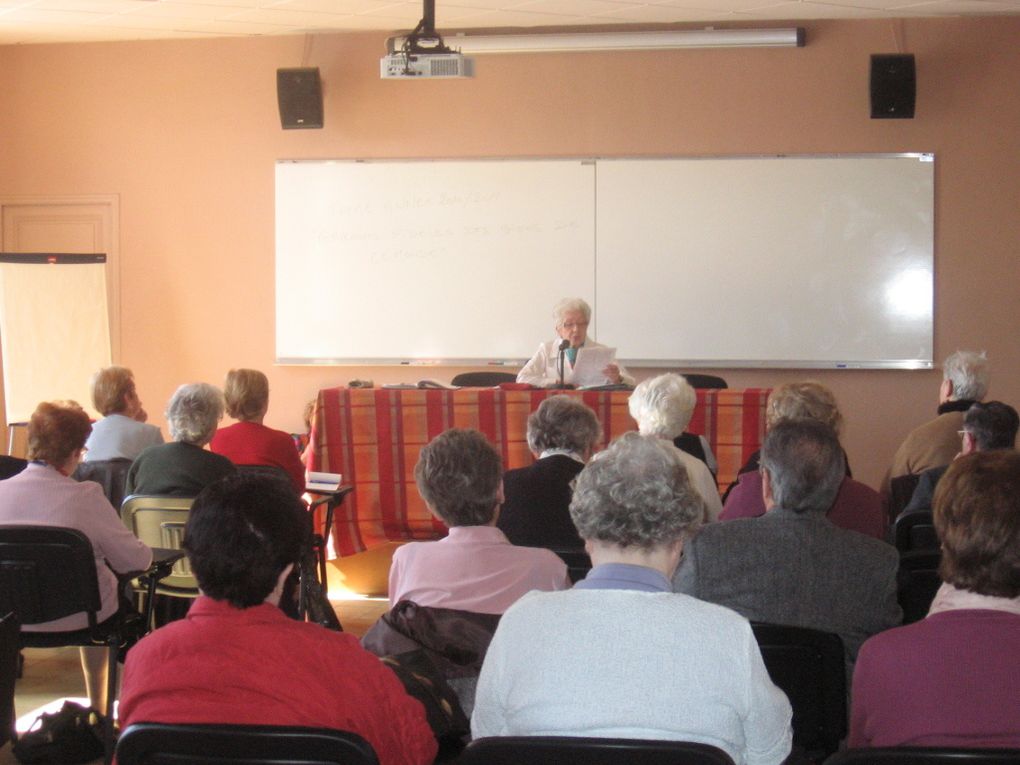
x=977, y=518
x=242, y=532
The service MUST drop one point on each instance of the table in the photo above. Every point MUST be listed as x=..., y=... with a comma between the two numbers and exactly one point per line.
x=372, y=437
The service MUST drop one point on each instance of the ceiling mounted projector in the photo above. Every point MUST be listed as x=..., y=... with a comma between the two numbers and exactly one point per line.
x=423, y=54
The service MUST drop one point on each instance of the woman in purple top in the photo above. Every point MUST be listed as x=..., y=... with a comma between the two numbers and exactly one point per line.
x=953, y=679
x=857, y=507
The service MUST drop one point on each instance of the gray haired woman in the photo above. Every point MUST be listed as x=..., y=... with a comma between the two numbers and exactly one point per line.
x=620, y=655
x=662, y=407
x=183, y=467
x=572, y=315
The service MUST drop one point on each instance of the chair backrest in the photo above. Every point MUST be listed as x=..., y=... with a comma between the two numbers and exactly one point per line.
x=162, y=744
x=577, y=560
x=110, y=474
x=703, y=381
x=809, y=666
x=159, y=522
x=11, y=466
x=8, y=673
x=916, y=531
x=917, y=581
x=47, y=573
x=910, y=755
x=901, y=489
x=569, y=750
x=482, y=379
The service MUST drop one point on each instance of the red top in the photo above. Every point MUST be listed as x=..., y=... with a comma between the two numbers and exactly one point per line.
x=249, y=443
x=952, y=679
x=255, y=666
x=857, y=507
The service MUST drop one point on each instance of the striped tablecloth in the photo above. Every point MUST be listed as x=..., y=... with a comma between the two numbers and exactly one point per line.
x=372, y=437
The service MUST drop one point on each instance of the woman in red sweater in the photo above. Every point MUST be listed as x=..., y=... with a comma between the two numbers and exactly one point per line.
x=249, y=442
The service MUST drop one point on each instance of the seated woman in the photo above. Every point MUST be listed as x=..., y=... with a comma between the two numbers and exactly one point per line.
x=562, y=435
x=857, y=507
x=621, y=655
x=249, y=442
x=237, y=659
x=122, y=433
x=572, y=315
x=475, y=568
x=43, y=494
x=662, y=406
x=953, y=679
x=183, y=468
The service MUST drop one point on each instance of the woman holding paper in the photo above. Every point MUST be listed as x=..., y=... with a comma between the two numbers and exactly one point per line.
x=572, y=318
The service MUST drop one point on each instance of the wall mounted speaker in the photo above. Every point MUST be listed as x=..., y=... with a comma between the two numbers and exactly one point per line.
x=299, y=94
x=893, y=86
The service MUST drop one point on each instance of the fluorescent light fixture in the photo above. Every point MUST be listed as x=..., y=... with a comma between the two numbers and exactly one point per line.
x=560, y=42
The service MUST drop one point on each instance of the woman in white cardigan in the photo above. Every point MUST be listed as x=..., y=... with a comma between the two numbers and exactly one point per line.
x=621, y=655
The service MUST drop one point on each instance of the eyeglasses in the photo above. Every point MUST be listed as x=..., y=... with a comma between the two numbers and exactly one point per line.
x=572, y=325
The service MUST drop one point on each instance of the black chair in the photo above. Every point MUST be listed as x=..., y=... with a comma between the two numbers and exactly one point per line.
x=809, y=666
x=332, y=500
x=910, y=755
x=49, y=572
x=568, y=750
x=9, y=628
x=915, y=531
x=110, y=474
x=901, y=489
x=704, y=381
x=11, y=466
x=482, y=379
x=577, y=560
x=148, y=743
x=917, y=581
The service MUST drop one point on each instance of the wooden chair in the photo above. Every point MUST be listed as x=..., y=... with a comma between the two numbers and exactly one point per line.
x=809, y=666
x=569, y=750
x=147, y=743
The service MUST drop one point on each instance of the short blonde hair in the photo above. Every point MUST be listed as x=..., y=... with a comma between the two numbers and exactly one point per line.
x=247, y=393
x=803, y=400
x=110, y=386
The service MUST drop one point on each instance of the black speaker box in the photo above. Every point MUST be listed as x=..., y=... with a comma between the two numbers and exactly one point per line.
x=299, y=94
x=893, y=86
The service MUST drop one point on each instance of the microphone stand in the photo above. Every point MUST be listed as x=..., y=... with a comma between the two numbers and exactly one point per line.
x=561, y=363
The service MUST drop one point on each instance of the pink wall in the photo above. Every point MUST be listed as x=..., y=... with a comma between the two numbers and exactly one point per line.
x=186, y=133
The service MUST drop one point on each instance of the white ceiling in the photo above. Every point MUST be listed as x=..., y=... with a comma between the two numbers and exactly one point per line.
x=42, y=21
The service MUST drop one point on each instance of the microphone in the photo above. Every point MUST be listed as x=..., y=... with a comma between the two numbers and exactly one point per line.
x=561, y=360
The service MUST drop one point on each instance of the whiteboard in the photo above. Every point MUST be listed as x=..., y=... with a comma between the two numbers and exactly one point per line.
x=390, y=262
x=54, y=328
x=793, y=261
x=808, y=261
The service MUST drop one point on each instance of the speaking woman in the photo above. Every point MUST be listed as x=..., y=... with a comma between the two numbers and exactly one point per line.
x=572, y=318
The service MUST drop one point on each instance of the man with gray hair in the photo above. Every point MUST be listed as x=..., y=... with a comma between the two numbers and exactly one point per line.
x=986, y=426
x=562, y=435
x=792, y=565
x=965, y=377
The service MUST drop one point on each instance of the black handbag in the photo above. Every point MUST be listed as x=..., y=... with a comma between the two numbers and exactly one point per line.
x=72, y=735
